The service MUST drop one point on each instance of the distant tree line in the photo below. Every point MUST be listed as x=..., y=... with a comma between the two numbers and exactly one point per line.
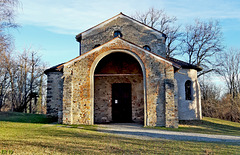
x=201, y=43
x=226, y=106
x=22, y=82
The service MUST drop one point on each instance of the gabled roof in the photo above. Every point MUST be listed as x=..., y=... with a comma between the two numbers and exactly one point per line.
x=120, y=15
x=125, y=41
x=59, y=67
x=185, y=65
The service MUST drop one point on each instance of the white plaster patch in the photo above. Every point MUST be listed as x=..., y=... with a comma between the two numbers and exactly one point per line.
x=188, y=109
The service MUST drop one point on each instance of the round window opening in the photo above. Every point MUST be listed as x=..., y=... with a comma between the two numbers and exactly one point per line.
x=96, y=46
x=146, y=47
x=117, y=34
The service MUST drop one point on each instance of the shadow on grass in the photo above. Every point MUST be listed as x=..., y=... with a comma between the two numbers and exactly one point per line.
x=73, y=140
x=77, y=140
x=197, y=138
x=206, y=127
x=211, y=127
x=26, y=118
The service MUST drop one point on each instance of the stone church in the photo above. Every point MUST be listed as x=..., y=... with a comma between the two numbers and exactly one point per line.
x=122, y=75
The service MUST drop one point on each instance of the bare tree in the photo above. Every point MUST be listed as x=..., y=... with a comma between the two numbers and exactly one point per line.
x=223, y=107
x=159, y=20
x=229, y=69
x=4, y=80
x=201, y=41
x=39, y=104
x=21, y=75
x=210, y=99
x=6, y=21
x=27, y=80
x=37, y=70
x=21, y=80
x=11, y=68
x=209, y=91
x=7, y=13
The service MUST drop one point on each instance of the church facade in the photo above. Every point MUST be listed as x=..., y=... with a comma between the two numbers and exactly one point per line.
x=123, y=75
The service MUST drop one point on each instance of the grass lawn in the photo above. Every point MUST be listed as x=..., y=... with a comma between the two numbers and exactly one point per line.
x=208, y=126
x=30, y=137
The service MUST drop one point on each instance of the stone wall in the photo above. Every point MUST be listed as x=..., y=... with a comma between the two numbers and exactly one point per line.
x=188, y=109
x=131, y=31
x=103, y=97
x=54, y=94
x=123, y=68
x=78, y=92
x=171, y=108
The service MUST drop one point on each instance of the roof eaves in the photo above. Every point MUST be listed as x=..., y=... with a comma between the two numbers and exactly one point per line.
x=56, y=68
x=185, y=64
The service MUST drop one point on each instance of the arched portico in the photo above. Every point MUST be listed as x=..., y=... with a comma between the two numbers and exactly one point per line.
x=157, y=89
x=118, y=70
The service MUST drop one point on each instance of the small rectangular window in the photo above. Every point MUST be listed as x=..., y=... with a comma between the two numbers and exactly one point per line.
x=188, y=90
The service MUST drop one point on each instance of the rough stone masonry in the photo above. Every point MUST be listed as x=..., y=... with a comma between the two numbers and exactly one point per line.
x=122, y=50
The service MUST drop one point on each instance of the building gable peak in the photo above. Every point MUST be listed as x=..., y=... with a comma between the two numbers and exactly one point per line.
x=120, y=15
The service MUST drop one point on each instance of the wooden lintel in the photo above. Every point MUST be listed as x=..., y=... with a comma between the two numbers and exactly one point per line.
x=115, y=74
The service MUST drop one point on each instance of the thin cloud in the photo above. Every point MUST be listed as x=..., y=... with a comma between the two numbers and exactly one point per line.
x=71, y=17
x=68, y=17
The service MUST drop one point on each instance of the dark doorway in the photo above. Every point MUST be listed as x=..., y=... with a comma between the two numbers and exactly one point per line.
x=118, y=68
x=121, y=102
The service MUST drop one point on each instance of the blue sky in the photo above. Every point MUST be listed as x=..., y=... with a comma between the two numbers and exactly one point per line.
x=50, y=26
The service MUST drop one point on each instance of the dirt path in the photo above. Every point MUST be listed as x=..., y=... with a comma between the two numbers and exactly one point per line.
x=137, y=131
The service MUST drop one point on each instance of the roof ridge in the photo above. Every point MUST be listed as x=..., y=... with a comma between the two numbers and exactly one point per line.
x=143, y=23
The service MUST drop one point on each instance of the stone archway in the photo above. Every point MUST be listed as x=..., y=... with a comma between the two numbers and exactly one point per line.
x=118, y=69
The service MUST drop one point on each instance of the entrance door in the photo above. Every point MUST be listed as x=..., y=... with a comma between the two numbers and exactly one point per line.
x=121, y=102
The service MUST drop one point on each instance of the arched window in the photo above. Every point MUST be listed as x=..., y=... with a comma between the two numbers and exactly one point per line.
x=146, y=47
x=96, y=46
x=188, y=90
x=117, y=34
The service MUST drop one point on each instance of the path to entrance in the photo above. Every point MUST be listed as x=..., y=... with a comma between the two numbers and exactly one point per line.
x=132, y=130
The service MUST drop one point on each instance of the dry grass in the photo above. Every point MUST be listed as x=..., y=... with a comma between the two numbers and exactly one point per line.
x=208, y=126
x=32, y=138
